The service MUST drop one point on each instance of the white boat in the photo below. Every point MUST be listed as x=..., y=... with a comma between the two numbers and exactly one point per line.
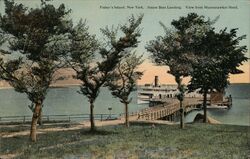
x=217, y=107
x=155, y=91
x=147, y=93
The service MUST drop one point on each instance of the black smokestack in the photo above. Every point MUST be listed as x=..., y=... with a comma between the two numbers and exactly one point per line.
x=156, y=81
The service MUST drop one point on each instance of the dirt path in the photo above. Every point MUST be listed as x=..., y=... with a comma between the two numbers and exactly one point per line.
x=80, y=125
x=85, y=124
x=9, y=156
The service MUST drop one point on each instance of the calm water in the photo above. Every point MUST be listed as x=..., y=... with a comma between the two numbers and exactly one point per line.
x=239, y=114
x=63, y=101
x=68, y=101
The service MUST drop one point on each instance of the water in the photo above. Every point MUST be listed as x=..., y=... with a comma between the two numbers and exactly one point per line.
x=67, y=101
x=239, y=114
x=64, y=101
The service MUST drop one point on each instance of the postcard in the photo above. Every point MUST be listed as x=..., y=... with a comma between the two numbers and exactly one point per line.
x=124, y=79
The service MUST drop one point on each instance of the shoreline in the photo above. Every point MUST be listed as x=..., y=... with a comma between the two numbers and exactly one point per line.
x=52, y=86
x=70, y=85
x=119, y=120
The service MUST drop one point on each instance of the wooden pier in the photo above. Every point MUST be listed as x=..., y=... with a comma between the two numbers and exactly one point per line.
x=169, y=110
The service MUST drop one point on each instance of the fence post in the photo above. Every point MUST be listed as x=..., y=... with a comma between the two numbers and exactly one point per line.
x=23, y=119
x=48, y=118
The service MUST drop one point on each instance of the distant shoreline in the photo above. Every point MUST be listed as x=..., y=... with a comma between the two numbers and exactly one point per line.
x=52, y=86
x=176, y=84
x=70, y=85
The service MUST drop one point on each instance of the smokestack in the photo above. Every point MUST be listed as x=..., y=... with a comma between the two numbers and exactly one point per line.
x=156, y=81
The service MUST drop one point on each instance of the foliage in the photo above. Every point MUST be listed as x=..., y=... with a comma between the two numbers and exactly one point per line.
x=178, y=48
x=2, y=38
x=38, y=40
x=123, y=80
x=194, y=48
x=95, y=70
x=124, y=77
x=83, y=46
x=220, y=55
x=95, y=73
x=207, y=76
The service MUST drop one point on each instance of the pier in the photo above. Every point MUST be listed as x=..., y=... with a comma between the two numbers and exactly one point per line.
x=169, y=110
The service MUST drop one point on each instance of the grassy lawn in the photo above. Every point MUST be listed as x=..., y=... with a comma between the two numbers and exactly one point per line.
x=138, y=141
x=24, y=127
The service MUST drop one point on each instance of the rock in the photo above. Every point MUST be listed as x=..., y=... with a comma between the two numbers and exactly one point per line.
x=199, y=119
x=213, y=121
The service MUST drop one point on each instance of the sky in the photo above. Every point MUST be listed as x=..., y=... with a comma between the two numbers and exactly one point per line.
x=102, y=13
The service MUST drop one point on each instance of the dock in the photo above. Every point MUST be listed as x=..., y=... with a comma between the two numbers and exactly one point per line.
x=169, y=109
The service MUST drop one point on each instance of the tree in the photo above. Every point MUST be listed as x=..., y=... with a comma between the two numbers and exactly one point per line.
x=38, y=43
x=177, y=49
x=2, y=39
x=84, y=46
x=220, y=55
x=123, y=81
x=94, y=71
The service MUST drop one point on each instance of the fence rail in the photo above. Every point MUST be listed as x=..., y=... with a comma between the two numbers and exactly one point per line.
x=48, y=118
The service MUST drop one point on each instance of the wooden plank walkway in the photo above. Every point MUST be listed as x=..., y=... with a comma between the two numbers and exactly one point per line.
x=167, y=109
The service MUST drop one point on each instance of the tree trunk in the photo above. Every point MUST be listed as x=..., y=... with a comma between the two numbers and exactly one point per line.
x=179, y=80
x=34, y=121
x=92, y=120
x=126, y=115
x=205, y=106
x=181, y=115
x=40, y=121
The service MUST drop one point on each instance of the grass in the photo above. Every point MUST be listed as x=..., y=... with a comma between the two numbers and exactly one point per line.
x=139, y=141
x=23, y=127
